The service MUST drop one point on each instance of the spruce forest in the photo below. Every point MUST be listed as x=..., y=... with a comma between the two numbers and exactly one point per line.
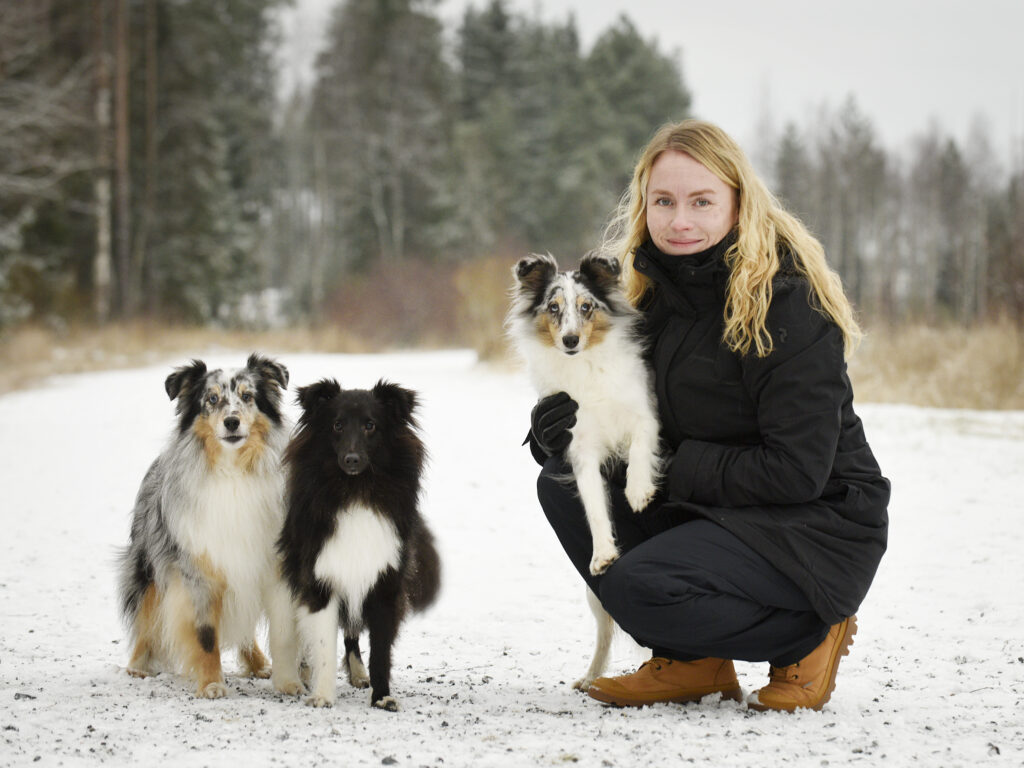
x=149, y=168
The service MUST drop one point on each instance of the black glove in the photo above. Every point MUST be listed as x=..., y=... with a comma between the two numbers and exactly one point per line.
x=550, y=421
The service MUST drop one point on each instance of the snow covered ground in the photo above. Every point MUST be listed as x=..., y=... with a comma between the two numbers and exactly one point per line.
x=935, y=678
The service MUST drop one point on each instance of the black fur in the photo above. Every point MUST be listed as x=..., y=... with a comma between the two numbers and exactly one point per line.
x=359, y=447
x=534, y=273
x=184, y=385
x=268, y=399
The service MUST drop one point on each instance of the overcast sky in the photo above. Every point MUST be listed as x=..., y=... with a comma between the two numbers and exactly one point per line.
x=907, y=62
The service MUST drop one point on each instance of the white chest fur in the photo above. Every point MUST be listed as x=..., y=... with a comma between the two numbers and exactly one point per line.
x=364, y=545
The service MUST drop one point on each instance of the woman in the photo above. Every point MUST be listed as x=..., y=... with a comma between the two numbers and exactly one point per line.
x=772, y=519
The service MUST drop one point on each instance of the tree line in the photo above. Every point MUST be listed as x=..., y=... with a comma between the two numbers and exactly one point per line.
x=149, y=169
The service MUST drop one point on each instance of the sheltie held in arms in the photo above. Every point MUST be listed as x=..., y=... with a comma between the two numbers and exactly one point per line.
x=577, y=333
x=200, y=568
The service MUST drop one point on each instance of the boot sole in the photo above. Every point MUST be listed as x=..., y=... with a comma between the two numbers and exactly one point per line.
x=842, y=649
x=730, y=694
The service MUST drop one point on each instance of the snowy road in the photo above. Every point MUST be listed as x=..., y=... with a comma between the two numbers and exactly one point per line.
x=935, y=678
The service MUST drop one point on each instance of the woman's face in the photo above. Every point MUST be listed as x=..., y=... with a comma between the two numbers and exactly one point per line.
x=689, y=209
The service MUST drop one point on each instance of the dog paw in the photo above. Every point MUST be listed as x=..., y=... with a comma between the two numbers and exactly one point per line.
x=583, y=684
x=138, y=672
x=639, y=495
x=214, y=690
x=386, y=703
x=601, y=560
x=359, y=680
x=319, y=701
x=262, y=674
x=289, y=687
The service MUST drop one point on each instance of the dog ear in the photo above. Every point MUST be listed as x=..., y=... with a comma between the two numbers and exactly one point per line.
x=269, y=369
x=602, y=271
x=399, y=401
x=313, y=394
x=184, y=379
x=534, y=271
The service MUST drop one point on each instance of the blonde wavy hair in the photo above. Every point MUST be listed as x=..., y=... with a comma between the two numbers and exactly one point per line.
x=764, y=231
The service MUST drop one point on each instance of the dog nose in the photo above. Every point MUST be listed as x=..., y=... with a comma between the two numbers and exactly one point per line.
x=352, y=461
x=231, y=423
x=571, y=341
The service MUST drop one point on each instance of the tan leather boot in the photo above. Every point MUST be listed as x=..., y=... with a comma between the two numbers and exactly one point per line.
x=809, y=683
x=666, y=680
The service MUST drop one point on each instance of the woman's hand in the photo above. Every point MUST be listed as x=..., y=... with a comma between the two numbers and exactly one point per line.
x=550, y=421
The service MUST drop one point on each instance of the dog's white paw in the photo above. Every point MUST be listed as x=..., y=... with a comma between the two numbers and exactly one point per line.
x=386, y=703
x=640, y=494
x=214, y=690
x=584, y=683
x=358, y=677
x=319, y=701
x=603, y=558
x=263, y=674
x=289, y=687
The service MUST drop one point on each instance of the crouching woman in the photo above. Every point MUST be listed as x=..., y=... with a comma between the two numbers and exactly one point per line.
x=773, y=515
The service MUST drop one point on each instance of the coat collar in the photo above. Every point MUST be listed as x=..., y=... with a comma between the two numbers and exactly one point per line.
x=691, y=283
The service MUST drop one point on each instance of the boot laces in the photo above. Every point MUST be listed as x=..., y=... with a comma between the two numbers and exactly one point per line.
x=784, y=674
x=657, y=663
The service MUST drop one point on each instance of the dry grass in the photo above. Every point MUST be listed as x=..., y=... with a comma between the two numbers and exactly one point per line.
x=29, y=354
x=981, y=368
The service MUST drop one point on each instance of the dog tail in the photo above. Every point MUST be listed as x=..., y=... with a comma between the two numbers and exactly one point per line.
x=423, y=578
x=136, y=574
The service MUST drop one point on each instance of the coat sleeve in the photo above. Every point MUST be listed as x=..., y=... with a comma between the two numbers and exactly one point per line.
x=799, y=391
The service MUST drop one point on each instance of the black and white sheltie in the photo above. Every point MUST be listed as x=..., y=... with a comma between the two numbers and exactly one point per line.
x=201, y=567
x=577, y=334
x=355, y=549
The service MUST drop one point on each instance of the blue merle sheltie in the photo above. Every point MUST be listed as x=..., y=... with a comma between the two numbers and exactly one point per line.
x=201, y=566
x=356, y=552
x=577, y=333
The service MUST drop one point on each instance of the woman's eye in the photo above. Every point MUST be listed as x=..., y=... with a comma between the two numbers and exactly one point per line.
x=702, y=202
x=369, y=427
x=662, y=201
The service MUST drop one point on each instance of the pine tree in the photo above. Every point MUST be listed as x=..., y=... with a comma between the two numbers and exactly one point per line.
x=380, y=108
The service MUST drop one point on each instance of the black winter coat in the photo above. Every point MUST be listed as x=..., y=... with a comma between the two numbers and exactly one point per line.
x=769, y=448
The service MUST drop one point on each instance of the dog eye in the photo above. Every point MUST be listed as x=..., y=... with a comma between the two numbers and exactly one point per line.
x=369, y=427
x=338, y=426
x=553, y=308
x=212, y=399
x=585, y=307
x=247, y=397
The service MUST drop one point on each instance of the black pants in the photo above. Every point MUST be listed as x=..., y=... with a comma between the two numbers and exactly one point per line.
x=685, y=588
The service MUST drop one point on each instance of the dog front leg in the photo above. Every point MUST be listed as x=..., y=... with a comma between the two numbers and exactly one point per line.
x=644, y=464
x=319, y=632
x=193, y=608
x=383, y=616
x=284, y=641
x=594, y=496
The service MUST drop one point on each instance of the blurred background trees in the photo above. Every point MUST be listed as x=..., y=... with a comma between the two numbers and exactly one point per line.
x=149, y=169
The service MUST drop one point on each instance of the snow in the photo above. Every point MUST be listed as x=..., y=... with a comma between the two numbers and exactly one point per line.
x=935, y=677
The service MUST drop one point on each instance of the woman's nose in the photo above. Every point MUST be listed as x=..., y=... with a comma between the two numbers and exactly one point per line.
x=681, y=221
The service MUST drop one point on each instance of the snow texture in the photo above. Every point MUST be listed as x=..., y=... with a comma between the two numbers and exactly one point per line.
x=935, y=677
